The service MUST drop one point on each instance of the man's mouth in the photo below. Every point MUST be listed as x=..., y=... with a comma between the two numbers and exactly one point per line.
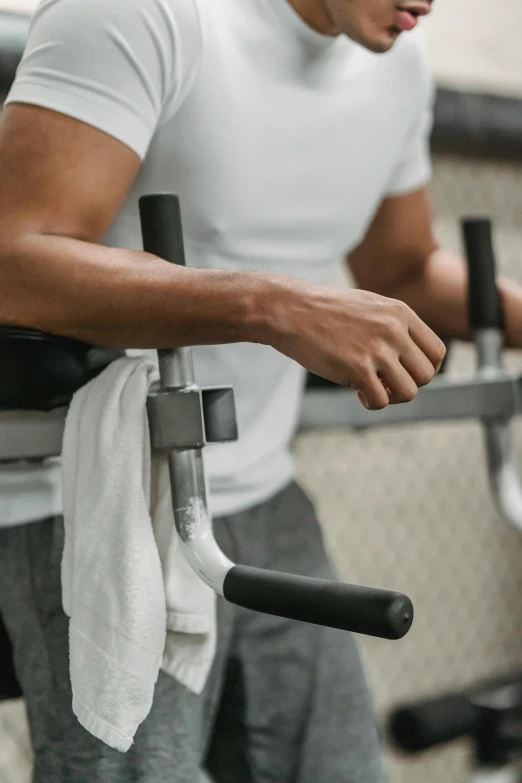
x=409, y=13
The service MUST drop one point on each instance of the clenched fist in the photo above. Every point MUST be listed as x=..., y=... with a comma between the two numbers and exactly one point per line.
x=370, y=343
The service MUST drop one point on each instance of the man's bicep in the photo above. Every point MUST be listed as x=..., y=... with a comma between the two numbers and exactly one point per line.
x=398, y=242
x=122, y=66
x=60, y=176
x=94, y=64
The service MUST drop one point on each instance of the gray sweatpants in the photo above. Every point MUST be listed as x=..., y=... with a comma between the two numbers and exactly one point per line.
x=286, y=702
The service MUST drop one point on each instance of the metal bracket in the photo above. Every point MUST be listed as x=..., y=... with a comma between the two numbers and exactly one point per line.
x=191, y=417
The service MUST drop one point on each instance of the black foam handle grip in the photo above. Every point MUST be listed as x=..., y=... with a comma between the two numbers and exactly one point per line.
x=417, y=727
x=161, y=227
x=363, y=610
x=485, y=305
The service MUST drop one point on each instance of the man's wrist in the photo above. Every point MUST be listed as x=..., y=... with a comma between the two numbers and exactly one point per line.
x=271, y=307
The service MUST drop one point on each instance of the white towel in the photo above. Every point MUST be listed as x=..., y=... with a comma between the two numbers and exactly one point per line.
x=134, y=604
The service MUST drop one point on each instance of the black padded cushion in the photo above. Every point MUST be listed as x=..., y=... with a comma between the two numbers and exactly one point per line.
x=40, y=371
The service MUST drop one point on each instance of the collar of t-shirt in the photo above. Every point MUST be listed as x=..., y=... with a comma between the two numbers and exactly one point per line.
x=292, y=23
x=297, y=46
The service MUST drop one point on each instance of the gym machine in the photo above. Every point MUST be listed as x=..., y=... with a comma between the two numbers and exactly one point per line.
x=39, y=374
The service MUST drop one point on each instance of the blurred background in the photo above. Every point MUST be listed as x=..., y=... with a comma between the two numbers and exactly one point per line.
x=409, y=507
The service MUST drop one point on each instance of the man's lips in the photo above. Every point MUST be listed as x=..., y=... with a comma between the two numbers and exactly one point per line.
x=407, y=15
x=406, y=20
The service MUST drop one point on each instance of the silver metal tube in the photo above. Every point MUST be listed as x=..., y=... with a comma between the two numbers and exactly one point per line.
x=176, y=368
x=193, y=521
x=496, y=776
x=488, y=343
x=188, y=486
x=503, y=471
x=492, y=396
x=502, y=467
x=495, y=395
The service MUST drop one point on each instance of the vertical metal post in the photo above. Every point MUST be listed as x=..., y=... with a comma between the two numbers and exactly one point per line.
x=487, y=322
x=163, y=237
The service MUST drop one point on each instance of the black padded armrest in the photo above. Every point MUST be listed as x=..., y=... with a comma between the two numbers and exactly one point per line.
x=39, y=371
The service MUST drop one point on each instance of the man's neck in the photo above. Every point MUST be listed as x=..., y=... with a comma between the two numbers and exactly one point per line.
x=314, y=13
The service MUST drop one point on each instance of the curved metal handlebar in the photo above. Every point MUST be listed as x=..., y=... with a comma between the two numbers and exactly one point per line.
x=487, y=323
x=349, y=607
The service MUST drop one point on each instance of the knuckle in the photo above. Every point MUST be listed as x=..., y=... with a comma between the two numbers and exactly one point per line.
x=406, y=395
x=426, y=376
x=364, y=369
x=376, y=401
x=441, y=351
x=410, y=394
x=381, y=353
x=401, y=309
x=394, y=329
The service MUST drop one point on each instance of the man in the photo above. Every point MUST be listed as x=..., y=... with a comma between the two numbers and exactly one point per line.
x=293, y=137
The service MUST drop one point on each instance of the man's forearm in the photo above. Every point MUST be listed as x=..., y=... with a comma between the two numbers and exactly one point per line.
x=134, y=300
x=130, y=299
x=438, y=293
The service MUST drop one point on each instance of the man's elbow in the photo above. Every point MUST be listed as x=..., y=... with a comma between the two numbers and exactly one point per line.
x=409, y=276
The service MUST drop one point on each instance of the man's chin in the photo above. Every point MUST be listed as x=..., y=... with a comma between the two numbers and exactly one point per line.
x=379, y=44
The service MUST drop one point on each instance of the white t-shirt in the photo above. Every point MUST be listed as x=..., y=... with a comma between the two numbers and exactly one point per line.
x=281, y=143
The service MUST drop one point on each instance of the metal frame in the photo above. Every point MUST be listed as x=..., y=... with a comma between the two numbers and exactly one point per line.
x=494, y=776
x=492, y=395
x=183, y=418
x=495, y=397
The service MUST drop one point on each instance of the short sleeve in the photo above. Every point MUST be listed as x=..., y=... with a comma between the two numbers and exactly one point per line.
x=118, y=65
x=413, y=170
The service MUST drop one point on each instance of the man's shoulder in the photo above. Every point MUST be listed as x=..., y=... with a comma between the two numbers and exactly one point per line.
x=168, y=11
x=144, y=28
